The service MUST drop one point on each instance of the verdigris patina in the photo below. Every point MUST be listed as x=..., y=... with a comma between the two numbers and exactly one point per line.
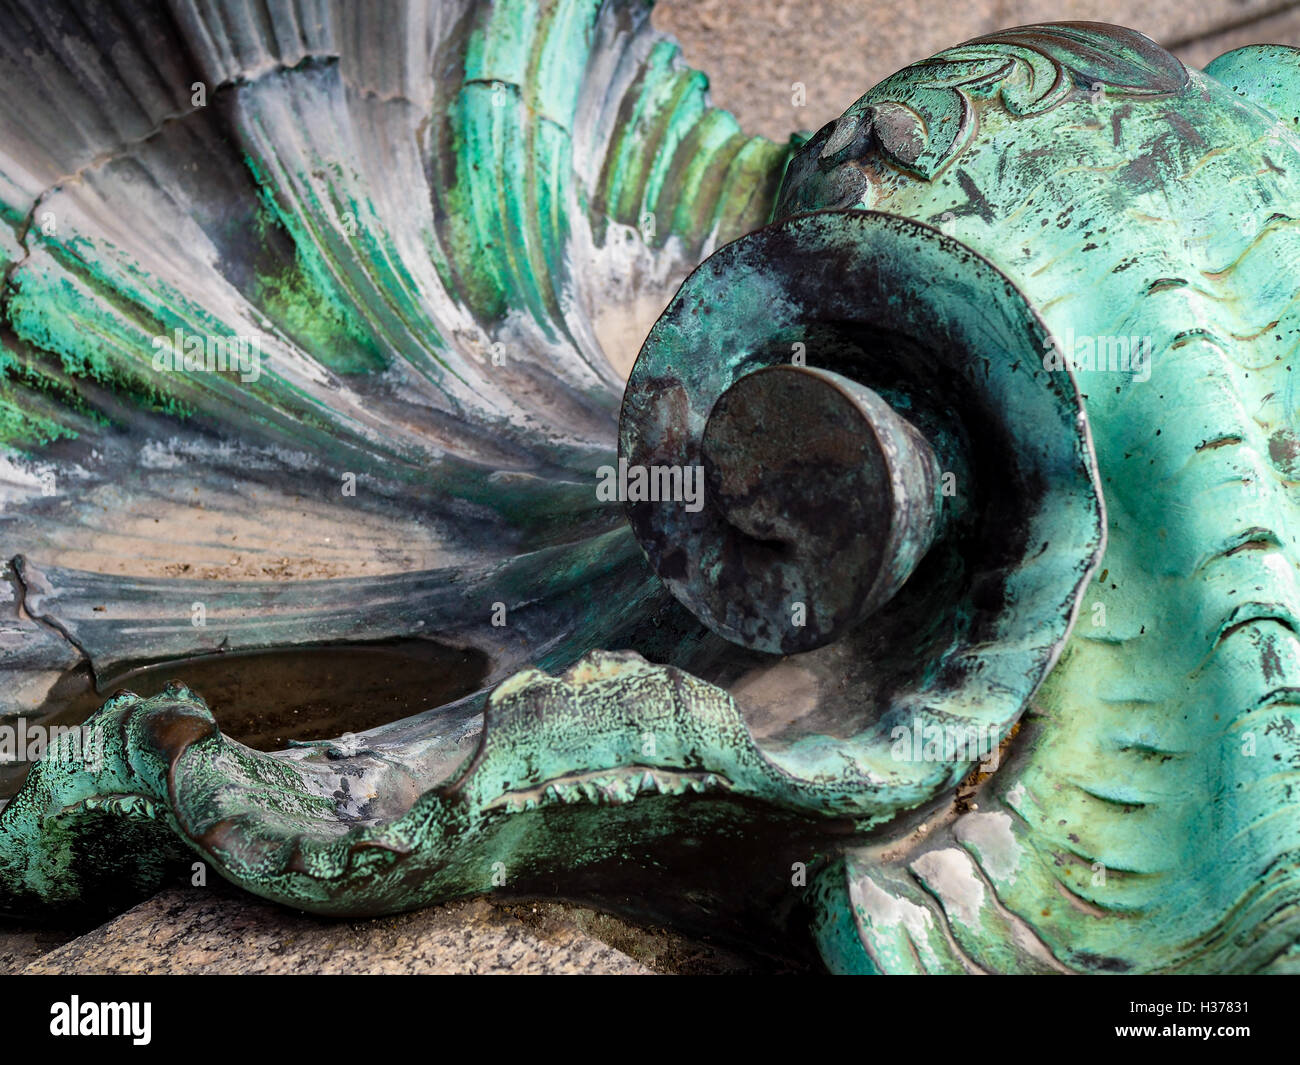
x=978, y=652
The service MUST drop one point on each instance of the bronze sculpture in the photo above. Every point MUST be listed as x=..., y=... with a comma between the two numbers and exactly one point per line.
x=1043, y=285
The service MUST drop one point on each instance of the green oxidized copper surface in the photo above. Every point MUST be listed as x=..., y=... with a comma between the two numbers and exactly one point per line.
x=1145, y=819
x=430, y=244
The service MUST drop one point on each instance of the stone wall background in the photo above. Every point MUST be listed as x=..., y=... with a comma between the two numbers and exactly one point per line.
x=753, y=50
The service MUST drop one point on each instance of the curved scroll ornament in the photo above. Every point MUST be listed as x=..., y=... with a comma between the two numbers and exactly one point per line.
x=959, y=653
x=1140, y=821
x=775, y=561
x=429, y=244
x=920, y=118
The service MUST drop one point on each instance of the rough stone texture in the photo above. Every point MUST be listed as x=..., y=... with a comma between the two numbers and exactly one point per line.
x=20, y=946
x=659, y=949
x=1281, y=28
x=203, y=931
x=838, y=49
x=601, y=941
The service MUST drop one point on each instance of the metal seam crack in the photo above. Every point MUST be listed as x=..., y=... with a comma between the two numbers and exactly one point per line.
x=14, y=566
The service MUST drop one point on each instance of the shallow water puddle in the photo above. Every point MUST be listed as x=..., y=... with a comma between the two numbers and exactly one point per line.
x=266, y=698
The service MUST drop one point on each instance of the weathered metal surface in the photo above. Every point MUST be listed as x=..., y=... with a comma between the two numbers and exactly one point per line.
x=1144, y=820
x=429, y=237
x=444, y=255
x=810, y=471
